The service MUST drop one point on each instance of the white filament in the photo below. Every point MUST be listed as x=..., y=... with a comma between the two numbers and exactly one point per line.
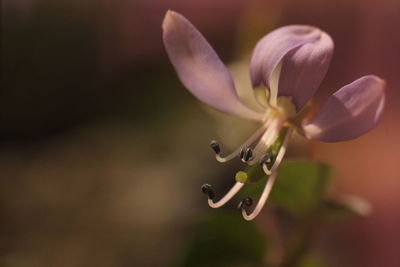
x=236, y=188
x=281, y=153
x=266, y=141
x=248, y=142
x=262, y=200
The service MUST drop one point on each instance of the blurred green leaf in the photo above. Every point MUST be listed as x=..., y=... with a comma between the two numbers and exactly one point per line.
x=299, y=188
x=225, y=239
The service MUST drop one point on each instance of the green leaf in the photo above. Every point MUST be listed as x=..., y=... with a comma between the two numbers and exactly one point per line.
x=225, y=239
x=301, y=186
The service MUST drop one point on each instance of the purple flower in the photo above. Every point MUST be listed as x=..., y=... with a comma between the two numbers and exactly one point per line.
x=290, y=62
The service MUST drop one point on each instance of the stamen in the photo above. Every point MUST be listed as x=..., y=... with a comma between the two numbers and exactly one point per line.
x=262, y=200
x=215, y=146
x=241, y=154
x=266, y=170
x=208, y=190
x=266, y=159
x=280, y=154
x=246, y=202
x=247, y=154
x=265, y=162
x=247, y=143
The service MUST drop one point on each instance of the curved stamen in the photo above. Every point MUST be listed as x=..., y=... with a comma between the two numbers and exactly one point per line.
x=246, y=202
x=280, y=155
x=246, y=154
x=208, y=190
x=262, y=200
x=266, y=159
x=215, y=146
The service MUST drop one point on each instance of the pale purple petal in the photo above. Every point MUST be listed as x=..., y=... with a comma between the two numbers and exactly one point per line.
x=305, y=53
x=350, y=112
x=199, y=67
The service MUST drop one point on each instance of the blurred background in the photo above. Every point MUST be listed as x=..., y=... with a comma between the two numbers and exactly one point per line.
x=103, y=151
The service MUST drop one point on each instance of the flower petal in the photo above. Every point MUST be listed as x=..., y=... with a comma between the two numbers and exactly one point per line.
x=199, y=67
x=350, y=112
x=305, y=53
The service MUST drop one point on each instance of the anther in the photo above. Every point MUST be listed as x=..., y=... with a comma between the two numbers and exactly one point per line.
x=241, y=154
x=215, y=146
x=246, y=202
x=247, y=155
x=266, y=159
x=208, y=190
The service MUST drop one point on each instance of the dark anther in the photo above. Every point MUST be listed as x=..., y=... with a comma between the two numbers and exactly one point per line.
x=208, y=190
x=246, y=202
x=241, y=154
x=215, y=146
x=266, y=159
x=248, y=153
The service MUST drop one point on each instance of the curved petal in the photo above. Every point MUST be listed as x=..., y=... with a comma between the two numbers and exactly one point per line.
x=199, y=67
x=350, y=112
x=304, y=53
